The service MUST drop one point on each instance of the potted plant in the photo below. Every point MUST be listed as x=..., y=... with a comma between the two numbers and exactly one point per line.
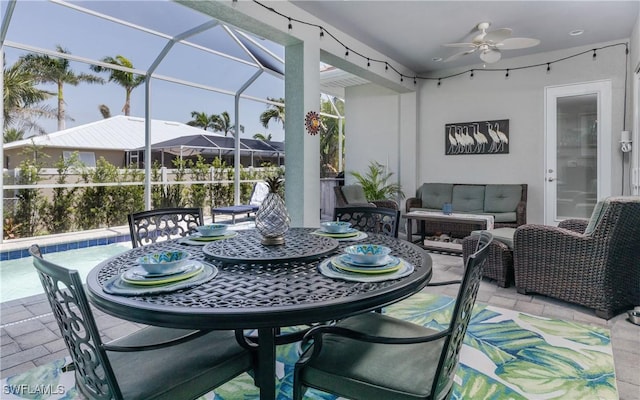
x=376, y=183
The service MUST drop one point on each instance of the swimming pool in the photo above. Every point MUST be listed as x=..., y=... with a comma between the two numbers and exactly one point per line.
x=18, y=278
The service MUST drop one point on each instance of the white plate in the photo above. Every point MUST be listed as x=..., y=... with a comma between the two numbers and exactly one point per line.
x=350, y=230
x=358, y=236
x=328, y=270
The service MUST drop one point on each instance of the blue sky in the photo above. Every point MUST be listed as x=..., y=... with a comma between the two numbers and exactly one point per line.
x=45, y=25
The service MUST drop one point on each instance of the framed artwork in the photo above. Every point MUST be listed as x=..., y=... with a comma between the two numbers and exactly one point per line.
x=480, y=137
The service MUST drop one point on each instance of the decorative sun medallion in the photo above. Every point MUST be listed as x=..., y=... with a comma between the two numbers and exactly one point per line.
x=312, y=122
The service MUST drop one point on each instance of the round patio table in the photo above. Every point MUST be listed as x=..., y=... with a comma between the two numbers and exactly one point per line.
x=259, y=295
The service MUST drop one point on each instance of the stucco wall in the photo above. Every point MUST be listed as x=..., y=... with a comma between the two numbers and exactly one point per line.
x=520, y=99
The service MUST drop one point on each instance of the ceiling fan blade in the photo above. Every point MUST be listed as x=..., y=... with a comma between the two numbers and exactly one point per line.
x=517, y=43
x=490, y=56
x=459, y=45
x=458, y=55
x=497, y=36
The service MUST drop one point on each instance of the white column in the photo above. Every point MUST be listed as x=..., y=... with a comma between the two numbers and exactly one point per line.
x=302, y=162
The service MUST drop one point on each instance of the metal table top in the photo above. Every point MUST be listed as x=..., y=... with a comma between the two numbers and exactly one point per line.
x=258, y=295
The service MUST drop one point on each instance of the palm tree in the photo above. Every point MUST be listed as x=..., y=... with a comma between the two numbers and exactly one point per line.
x=264, y=138
x=21, y=100
x=12, y=135
x=57, y=71
x=329, y=153
x=273, y=112
x=201, y=119
x=128, y=80
x=222, y=123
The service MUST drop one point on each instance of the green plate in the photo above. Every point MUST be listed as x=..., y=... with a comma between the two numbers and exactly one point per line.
x=341, y=262
x=135, y=279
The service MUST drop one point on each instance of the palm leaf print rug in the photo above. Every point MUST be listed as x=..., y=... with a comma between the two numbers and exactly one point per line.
x=506, y=355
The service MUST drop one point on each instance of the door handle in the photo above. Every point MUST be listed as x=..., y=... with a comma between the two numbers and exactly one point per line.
x=551, y=179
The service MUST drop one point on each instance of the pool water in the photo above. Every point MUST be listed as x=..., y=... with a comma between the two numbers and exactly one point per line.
x=18, y=278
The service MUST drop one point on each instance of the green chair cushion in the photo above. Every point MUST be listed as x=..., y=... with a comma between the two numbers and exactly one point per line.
x=502, y=198
x=361, y=370
x=596, y=216
x=504, y=216
x=177, y=372
x=354, y=194
x=468, y=198
x=504, y=235
x=434, y=195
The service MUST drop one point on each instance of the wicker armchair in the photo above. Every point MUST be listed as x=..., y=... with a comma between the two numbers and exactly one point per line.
x=356, y=193
x=594, y=264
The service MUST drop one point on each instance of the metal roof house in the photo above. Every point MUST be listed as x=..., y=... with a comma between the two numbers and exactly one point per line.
x=120, y=140
x=252, y=152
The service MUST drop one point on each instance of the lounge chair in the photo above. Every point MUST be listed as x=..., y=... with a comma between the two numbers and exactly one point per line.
x=259, y=193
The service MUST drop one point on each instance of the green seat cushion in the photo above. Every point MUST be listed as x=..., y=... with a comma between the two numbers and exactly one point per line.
x=502, y=198
x=468, y=198
x=596, y=216
x=354, y=194
x=434, y=195
x=183, y=371
x=361, y=370
x=504, y=216
x=504, y=235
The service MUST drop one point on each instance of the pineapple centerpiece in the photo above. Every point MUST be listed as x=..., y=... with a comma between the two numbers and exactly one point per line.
x=272, y=218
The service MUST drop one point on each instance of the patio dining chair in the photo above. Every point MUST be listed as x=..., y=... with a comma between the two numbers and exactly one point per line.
x=375, y=356
x=151, y=363
x=370, y=219
x=147, y=227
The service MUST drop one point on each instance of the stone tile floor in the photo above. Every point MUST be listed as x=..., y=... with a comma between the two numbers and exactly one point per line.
x=30, y=336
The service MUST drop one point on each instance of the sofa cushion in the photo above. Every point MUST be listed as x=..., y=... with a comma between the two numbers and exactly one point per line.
x=434, y=195
x=502, y=198
x=504, y=217
x=468, y=198
x=354, y=194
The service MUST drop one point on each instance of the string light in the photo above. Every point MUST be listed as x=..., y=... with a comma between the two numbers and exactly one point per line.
x=387, y=66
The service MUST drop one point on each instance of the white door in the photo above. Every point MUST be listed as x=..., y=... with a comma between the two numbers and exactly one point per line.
x=577, y=149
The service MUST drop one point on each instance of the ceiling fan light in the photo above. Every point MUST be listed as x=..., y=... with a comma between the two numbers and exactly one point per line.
x=490, y=56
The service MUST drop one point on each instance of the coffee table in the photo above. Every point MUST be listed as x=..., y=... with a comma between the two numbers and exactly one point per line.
x=456, y=225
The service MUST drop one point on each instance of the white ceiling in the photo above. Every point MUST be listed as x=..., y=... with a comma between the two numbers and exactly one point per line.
x=412, y=32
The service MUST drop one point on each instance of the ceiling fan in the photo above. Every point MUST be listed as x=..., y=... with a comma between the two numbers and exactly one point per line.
x=490, y=44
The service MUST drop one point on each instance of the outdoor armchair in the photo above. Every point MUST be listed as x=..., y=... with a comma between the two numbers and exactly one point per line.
x=353, y=196
x=147, y=227
x=374, y=356
x=594, y=264
x=152, y=363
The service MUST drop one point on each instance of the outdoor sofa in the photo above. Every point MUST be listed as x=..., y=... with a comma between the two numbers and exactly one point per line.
x=506, y=202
